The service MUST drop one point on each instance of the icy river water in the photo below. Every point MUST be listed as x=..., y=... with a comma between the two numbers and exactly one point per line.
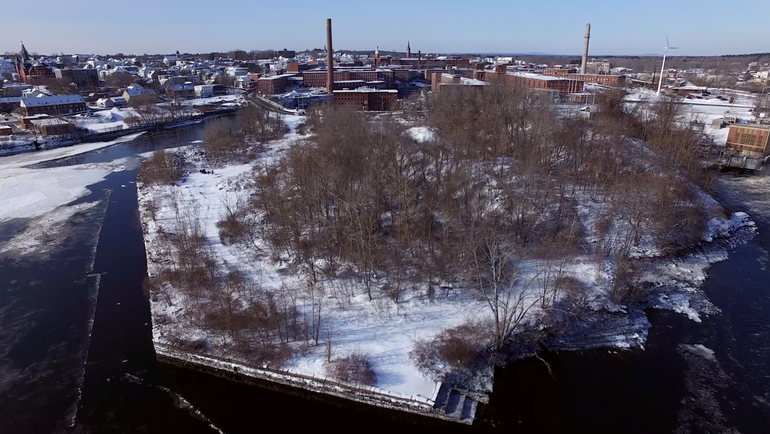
x=76, y=353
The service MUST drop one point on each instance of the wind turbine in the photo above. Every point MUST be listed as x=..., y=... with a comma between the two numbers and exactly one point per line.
x=663, y=66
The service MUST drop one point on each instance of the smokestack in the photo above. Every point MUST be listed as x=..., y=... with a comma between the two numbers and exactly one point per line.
x=585, y=49
x=329, y=57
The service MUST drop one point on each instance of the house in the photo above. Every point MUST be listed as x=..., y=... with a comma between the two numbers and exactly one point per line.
x=52, y=126
x=236, y=71
x=119, y=101
x=53, y=105
x=180, y=91
x=137, y=93
x=204, y=90
x=5, y=130
x=170, y=60
x=244, y=82
x=105, y=103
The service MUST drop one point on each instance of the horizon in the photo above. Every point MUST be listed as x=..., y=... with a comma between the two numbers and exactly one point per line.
x=448, y=29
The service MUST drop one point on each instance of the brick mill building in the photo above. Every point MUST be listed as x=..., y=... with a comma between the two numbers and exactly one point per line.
x=53, y=105
x=566, y=84
x=274, y=84
x=367, y=99
x=750, y=139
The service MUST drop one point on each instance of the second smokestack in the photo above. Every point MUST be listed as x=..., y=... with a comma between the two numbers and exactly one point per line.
x=585, y=49
x=329, y=57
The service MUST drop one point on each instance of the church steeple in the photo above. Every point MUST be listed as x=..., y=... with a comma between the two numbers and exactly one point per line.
x=25, y=57
x=408, y=49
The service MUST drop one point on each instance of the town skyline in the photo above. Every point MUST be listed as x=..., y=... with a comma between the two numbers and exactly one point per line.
x=624, y=30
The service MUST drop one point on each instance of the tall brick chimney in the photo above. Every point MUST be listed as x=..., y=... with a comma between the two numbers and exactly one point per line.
x=584, y=61
x=329, y=57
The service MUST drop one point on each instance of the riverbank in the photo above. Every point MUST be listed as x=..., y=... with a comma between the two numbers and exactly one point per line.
x=10, y=148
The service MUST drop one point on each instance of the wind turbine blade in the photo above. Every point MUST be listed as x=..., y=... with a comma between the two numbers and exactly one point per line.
x=667, y=44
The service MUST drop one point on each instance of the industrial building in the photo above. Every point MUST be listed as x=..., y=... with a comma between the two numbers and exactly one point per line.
x=53, y=105
x=367, y=99
x=750, y=139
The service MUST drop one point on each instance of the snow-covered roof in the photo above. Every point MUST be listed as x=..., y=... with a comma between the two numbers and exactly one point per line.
x=537, y=76
x=276, y=77
x=367, y=90
x=48, y=122
x=176, y=87
x=52, y=100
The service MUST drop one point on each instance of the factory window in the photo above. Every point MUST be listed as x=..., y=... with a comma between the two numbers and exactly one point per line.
x=748, y=139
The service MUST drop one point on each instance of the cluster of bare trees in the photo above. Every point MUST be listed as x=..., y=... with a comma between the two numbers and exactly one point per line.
x=231, y=141
x=500, y=185
x=500, y=201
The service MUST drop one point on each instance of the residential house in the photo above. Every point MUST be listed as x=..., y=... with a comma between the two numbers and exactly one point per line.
x=180, y=91
x=137, y=93
x=244, y=82
x=105, y=103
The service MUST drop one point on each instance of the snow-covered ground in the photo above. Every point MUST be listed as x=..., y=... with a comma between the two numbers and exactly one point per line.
x=105, y=120
x=706, y=110
x=386, y=332
x=223, y=100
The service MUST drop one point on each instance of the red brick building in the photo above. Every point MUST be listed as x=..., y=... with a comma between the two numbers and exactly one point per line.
x=317, y=78
x=750, y=139
x=607, y=80
x=535, y=81
x=36, y=74
x=367, y=99
x=53, y=105
x=273, y=84
x=558, y=72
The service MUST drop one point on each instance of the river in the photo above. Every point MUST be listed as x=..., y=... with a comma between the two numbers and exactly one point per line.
x=62, y=373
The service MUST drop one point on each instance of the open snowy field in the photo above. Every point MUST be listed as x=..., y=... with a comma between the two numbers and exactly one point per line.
x=383, y=330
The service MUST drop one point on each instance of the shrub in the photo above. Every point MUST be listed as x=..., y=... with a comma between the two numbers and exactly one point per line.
x=456, y=348
x=161, y=168
x=355, y=368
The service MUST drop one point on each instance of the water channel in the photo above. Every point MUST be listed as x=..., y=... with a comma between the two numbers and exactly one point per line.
x=62, y=373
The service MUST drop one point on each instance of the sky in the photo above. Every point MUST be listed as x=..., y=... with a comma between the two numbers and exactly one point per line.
x=703, y=27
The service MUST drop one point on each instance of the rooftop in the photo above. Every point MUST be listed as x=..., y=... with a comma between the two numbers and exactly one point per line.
x=48, y=122
x=538, y=76
x=52, y=100
x=366, y=90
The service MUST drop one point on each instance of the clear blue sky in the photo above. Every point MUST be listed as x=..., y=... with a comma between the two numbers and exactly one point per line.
x=703, y=27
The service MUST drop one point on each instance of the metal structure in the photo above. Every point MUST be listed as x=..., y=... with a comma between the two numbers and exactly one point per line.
x=663, y=66
x=585, y=49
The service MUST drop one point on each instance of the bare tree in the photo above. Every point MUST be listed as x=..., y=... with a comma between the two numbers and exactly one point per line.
x=496, y=280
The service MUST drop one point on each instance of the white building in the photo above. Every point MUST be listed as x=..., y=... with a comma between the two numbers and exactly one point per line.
x=7, y=66
x=204, y=90
x=170, y=60
x=236, y=71
x=105, y=103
